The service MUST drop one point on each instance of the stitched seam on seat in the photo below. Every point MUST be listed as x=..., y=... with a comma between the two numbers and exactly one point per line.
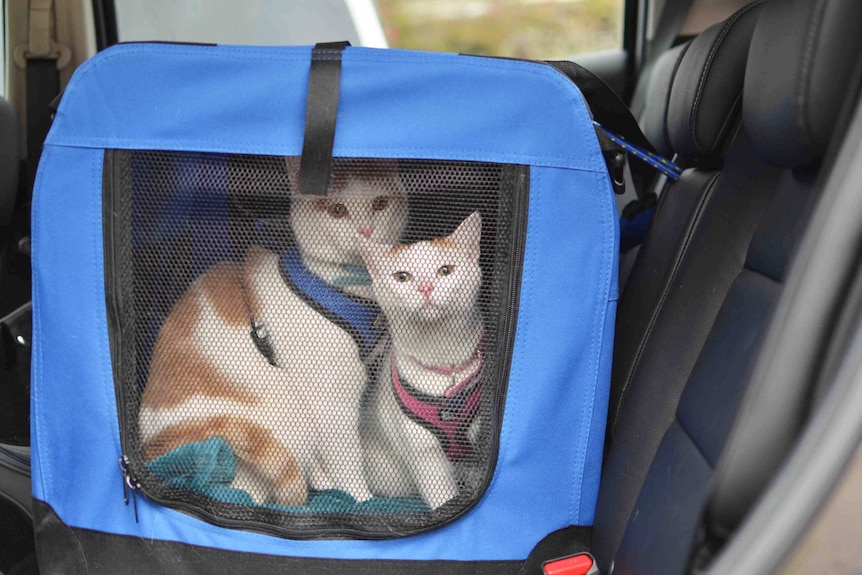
x=725, y=31
x=747, y=267
x=804, y=84
x=670, y=91
x=737, y=104
x=681, y=253
x=681, y=425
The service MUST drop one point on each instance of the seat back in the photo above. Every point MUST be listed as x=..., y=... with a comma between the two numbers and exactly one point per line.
x=762, y=200
x=668, y=306
x=10, y=160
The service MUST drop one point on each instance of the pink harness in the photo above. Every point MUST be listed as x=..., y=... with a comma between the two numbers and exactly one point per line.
x=447, y=416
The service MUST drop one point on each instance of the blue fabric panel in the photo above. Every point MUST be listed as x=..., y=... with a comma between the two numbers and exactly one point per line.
x=74, y=415
x=529, y=481
x=551, y=439
x=596, y=441
x=252, y=100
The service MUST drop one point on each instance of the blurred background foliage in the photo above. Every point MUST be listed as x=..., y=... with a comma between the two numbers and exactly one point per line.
x=532, y=29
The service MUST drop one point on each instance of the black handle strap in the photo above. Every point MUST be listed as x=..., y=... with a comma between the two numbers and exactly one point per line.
x=610, y=111
x=321, y=109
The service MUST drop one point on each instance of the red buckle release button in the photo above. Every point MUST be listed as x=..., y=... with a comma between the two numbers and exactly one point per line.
x=581, y=564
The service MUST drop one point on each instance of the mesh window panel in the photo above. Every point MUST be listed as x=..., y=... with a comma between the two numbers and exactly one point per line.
x=312, y=366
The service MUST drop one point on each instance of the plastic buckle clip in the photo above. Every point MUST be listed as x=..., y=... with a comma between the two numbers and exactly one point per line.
x=580, y=564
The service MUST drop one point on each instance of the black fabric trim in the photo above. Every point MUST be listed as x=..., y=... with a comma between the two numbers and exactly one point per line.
x=64, y=550
x=321, y=109
x=119, y=284
x=329, y=314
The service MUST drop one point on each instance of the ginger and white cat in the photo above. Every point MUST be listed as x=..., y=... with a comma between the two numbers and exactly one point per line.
x=417, y=416
x=252, y=352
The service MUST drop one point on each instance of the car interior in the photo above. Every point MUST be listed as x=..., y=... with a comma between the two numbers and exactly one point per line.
x=734, y=418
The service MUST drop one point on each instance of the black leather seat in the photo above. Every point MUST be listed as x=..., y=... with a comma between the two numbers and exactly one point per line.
x=10, y=159
x=16, y=531
x=656, y=344
x=705, y=334
x=653, y=123
x=653, y=118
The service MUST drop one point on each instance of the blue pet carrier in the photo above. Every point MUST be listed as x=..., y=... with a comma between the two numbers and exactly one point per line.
x=170, y=165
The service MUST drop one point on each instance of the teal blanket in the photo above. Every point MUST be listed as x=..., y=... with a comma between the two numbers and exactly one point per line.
x=209, y=467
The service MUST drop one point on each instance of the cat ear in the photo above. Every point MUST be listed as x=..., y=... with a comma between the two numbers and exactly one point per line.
x=292, y=165
x=468, y=235
x=371, y=253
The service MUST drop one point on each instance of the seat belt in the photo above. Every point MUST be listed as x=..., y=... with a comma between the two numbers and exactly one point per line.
x=41, y=59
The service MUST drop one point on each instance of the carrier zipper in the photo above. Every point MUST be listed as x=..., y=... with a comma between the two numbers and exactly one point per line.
x=114, y=311
x=113, y=286
x=129, y=484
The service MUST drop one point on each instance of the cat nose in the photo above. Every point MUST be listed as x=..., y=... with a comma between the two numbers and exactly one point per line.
x=425, y=288
x=367, y=231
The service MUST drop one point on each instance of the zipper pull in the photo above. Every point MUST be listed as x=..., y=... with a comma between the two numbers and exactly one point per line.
x=129, y=484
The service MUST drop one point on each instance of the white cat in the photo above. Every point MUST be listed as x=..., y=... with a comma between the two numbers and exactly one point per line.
x=268, y=355
x=417, y=416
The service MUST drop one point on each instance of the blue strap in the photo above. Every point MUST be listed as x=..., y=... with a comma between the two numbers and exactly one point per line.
x=355, y=316
x=663, y=165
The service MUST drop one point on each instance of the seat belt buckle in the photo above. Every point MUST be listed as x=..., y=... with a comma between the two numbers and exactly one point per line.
x=579, y=564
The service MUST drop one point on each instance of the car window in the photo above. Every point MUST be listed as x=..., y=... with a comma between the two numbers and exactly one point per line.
x=261, y=22
x=534, y=29
x=2, y=48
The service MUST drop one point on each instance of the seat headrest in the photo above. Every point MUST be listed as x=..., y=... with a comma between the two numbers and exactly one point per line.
x=802, y=56
x=10, y=159
x=653, y=118
x=706, y=96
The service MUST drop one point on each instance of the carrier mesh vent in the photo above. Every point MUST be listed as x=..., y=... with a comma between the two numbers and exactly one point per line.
x=314, y=366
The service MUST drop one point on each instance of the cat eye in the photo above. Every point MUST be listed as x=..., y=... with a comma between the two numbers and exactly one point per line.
x=380, y=203
x=445, y=270
x=402, y=277
x=337, y=210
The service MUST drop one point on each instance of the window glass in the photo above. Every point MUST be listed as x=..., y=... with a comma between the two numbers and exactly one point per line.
x=261, y=22
x=533, y=29
x=2, y=48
